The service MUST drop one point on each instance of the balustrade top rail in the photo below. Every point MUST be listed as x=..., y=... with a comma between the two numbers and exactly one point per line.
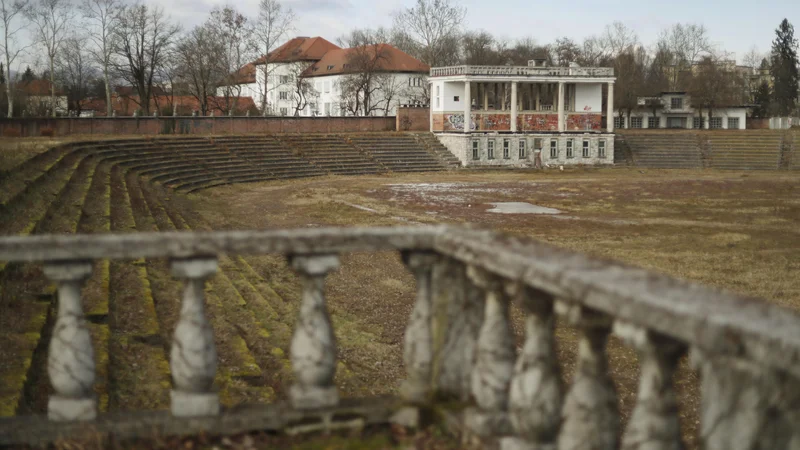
x=523, y=71
x=699, y=316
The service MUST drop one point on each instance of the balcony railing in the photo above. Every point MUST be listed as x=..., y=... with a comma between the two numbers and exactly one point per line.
x=522, y=71
x=747, y=351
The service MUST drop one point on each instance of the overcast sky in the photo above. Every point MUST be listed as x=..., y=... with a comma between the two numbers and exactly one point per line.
x=735, y=25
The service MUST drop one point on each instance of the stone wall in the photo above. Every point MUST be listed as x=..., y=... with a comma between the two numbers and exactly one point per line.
x=462, y=147
x=526, y=121
x=192, y=125
x=413, y=118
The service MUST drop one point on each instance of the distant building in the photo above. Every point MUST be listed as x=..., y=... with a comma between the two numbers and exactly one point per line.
x=674, y=110
x=524, y=115
x=398, y=79
x=318, y=68
x=37, y=95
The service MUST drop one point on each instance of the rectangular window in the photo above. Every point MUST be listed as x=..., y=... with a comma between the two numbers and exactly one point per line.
x=715, y=123
x=476, y=147
x=284, y=79
x=733, y=123
x=653, y=122
x=522, y=154
x=619, y=122
x=676, y=103
x=327, y=87
x=490, y=149
x=537, y=143
x=327, y=109
x=283, y=95
x=284, y=111
x=586, y=148
x=601, y=149
x=554, y=149
x=698, y=122
x=506, y=148
x=570, y=153
x=636, y=122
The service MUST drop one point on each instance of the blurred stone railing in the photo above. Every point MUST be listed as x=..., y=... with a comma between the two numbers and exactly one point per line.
x=458, y=342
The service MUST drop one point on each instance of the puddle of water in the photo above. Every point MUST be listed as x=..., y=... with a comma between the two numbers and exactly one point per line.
x=521, y=208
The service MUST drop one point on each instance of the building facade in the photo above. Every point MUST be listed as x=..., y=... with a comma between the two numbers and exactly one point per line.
x=313, y=77
x=523, y=115
x=674, y=110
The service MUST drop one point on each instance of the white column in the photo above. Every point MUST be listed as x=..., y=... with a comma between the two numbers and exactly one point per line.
x=561, y=121
x=538, y=105
x=485, y=96
x=313, y=347
x=418, y=349
x=70, y=360
x=514, y=106
x=467, y=107
x=610, y=108
x=193, y=358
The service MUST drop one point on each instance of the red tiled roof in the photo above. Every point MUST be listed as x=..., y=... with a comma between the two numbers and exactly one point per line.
x=392, y=60
x=245, y=75
x=300, y=49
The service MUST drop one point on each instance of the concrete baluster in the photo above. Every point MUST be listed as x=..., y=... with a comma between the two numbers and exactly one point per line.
x=590, y=418
x=494, y=360
x=70, y=361
x=458, y=312
x=418, y=350
x=193, y=360
x=313, y=348
x=654, y=424
x=536, y=393
x=746, y=405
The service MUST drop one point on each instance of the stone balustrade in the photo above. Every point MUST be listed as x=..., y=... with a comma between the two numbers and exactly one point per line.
x=459, y=341
x=522, y=71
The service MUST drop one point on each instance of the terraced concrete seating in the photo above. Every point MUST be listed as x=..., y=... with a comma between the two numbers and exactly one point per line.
x=794, y=163
x=664, y=149
x=431, y=143
x=332, y=154
x=398, y=152
x=749, y=150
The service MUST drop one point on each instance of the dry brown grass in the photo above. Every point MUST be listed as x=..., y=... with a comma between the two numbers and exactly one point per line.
x=737, y=231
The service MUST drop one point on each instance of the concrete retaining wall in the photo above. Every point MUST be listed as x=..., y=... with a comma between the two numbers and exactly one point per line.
x=192, y=125
x=461, y=146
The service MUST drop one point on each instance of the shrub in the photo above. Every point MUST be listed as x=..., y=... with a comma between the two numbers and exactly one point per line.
x=49, y=132
x=11, y=133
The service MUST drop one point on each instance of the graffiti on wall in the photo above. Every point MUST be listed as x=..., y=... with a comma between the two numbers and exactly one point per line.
x=495, y=122
x=584, y=122
x=537, y=122
x=455, y=122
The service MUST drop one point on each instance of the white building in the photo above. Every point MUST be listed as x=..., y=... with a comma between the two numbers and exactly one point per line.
x=674, y=110
x=310, y=76
x=523, y=115
x=391, y=76
x=285, y=64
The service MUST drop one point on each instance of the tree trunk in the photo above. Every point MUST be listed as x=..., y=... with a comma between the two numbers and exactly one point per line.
x=8, y=93
x=109, y=107
x=52, y=86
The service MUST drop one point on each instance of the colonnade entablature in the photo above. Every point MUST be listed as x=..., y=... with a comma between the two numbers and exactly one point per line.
x=513, y=98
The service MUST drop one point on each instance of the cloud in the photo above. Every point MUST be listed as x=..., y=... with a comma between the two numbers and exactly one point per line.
x=303, y=6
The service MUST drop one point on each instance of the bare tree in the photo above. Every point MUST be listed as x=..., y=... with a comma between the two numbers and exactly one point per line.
x=360, y=88
x=12, y=13
x=232, y=30
x=630, y=67
x=74, y=71
x=713, y=85
x=564, y=51
x=687, y=43
x=198, y=58
x=303, y=91
x=273, y=24
x=103, y=19
x=143, y=38
x=51, y=19
x=617, y=39
x=435, y=27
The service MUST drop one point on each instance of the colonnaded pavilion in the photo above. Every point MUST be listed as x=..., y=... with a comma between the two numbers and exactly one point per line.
x=511, y=115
